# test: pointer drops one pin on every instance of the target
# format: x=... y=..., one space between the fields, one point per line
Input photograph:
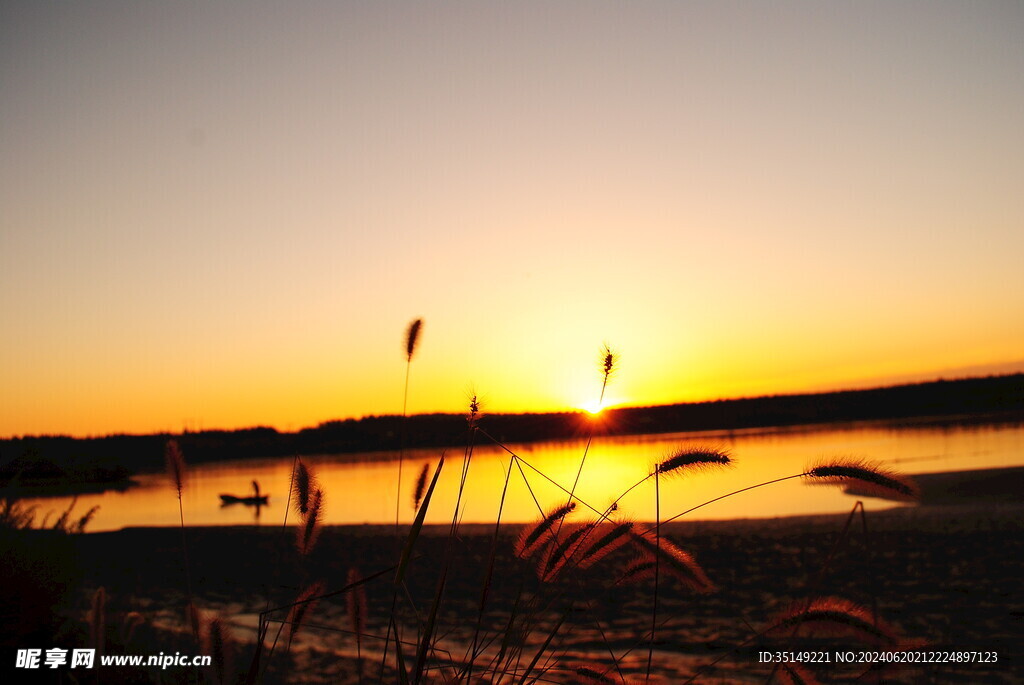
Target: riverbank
x=948 y=576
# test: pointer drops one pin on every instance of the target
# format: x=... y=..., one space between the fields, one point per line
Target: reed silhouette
x=175 y=462
x=412 y=337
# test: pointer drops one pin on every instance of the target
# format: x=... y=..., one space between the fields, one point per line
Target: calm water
x=361 y=488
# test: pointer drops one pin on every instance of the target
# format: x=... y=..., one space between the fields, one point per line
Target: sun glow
x=595 y=406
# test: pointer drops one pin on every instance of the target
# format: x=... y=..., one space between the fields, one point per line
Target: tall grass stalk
x=558 y=553
x=356 y=606
x=307 y=496
x=428 y=629
x=486 y=585
x=254 y=667
x=403 y=565
x=657 y=568
x=879 y=480
x=607 y=364
x=176 y=469
x=412 y=336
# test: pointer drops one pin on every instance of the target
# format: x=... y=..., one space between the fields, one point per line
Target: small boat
x=256 y=499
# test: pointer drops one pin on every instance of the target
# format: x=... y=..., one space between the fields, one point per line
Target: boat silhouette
x=255 y=499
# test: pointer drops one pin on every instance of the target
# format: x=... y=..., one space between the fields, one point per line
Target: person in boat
x=255 y=499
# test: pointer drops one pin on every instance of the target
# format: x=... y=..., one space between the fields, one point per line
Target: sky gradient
x=217 y=215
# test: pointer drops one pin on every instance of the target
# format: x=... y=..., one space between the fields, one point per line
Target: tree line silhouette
x=112 y=458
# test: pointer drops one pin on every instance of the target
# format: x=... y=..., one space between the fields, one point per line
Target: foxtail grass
x=835 y=617
x=309 y=526
x=400 y=571
x=637 y=570
x=175 y=465
x=412 y=337
x=863 y=477
x=220 y=645
x=607 y=537
x=304 y=606
x=608 y=361
x=175 y=461
x=533 y=537
x=303 y=486
x=426 y=641
x=421 y=487
x=560 y=552
x=690 y=459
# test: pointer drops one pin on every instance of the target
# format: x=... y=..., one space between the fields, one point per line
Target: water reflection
x=361 y=489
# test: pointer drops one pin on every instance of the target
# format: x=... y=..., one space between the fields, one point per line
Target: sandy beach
x=944 y=577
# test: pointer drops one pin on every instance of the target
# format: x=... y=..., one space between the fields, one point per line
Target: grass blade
x=544 y=647
x=417 y=525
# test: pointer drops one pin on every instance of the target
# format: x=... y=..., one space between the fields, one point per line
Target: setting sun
x=596 y=406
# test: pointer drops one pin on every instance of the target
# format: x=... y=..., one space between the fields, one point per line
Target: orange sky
x=215 y=218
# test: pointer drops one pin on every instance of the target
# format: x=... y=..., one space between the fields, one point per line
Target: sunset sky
x=217 y=215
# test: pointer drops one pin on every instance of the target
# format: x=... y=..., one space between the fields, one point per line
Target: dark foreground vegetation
x=946 y=575
x=111 y=459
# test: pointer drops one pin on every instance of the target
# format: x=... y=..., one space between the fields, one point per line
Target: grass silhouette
x=575 y=565
x=581 y=566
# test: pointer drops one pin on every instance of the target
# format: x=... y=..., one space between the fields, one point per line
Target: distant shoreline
x=994 y=399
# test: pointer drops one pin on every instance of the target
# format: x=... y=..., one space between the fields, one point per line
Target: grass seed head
x=474 y=412
x=608 y=360
x=303 y=486
x=693 y=458
x=834 y=617
x=560 y=554
x=674 y=561
x=304 y=605
x=175 y=464
x=605 y=539
x=595 y=674
x=412 y=337
x=639 y=569
x=309 y=527
x=863 y=478
x=219 y=644
x=421 y=487
x=533 y=537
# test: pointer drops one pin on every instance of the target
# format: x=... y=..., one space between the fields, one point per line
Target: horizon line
x=806 y=393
